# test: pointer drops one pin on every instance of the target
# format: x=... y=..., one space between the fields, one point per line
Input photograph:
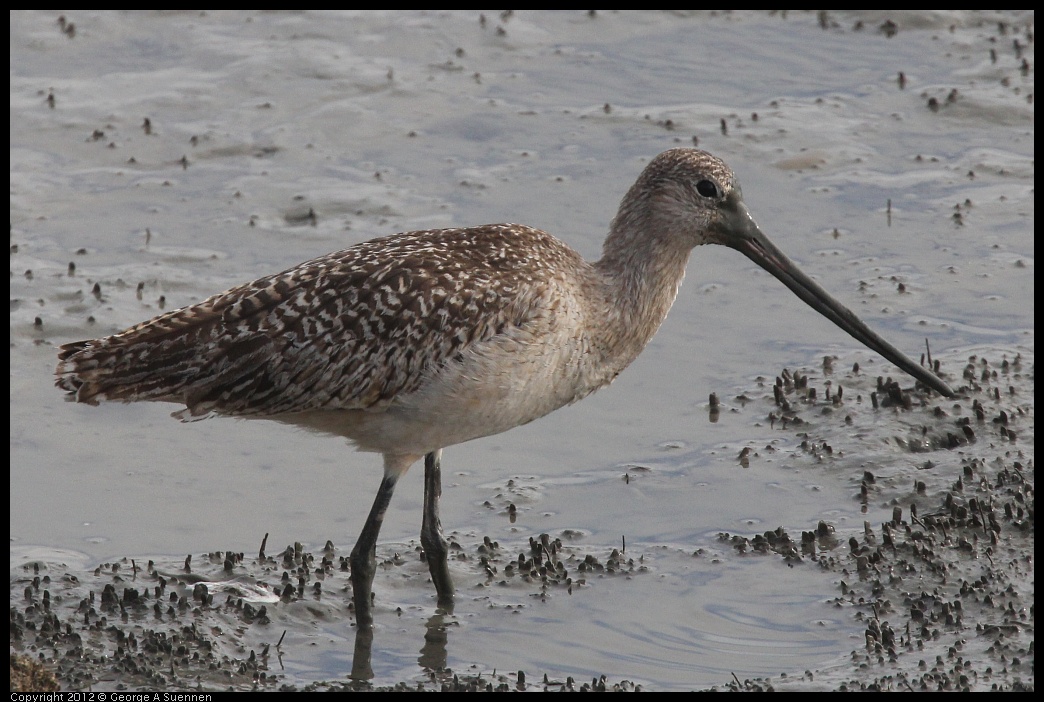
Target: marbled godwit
x=414 y=342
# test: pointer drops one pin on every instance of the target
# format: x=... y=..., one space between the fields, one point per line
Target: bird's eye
x=707 y=188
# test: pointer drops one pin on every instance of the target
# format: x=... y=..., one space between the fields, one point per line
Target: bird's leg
x=364 y=556
x=436 y=551
x=362 y=668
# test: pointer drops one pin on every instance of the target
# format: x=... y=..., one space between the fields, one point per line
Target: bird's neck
x=641 y=269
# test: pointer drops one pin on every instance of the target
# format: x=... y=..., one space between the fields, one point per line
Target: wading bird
x=414 y=342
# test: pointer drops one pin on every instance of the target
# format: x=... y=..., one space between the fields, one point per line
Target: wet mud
x=944 y=588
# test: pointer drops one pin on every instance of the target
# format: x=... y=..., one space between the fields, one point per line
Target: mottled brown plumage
x=351 y=330
x=414 y=342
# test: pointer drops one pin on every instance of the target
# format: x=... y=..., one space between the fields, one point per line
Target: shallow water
x=384 y=122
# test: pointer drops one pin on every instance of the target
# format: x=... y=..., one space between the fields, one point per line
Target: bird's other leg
x=364 y=556
x=436 y=551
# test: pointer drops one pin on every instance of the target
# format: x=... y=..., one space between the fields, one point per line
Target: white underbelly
x=496 y=386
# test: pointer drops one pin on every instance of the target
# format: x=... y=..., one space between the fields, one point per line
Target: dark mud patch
x=945 y=587
x=217 y=622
